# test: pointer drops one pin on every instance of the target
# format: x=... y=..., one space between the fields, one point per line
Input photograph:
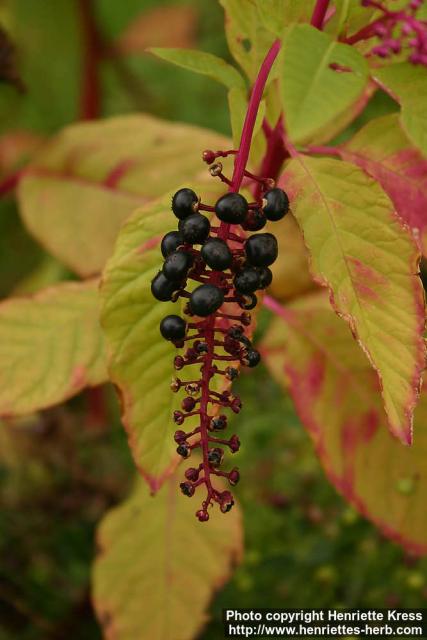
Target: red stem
x=223 y=233
x=319 y=13
x=90 y=101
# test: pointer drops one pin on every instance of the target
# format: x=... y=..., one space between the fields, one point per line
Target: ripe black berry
x=205 y=300
x=195 y=229
x=173 y=328
x=252 y=358
x=177 y=265
x=162 y=288
x=255 y=220
x=277 y=204
x=249 y=301
x=184 y=203
x=232 y=208
x=216 y=254
x=247 y=280
x=171 y=242
x=261 y=250
x=265 y=277
x=231 y=373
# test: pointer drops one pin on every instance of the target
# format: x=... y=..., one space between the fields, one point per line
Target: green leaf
x=314 y=95
x=279 y=14
x=362 y=252
x=82 y=186
x=51 y=347
x=141 y=362
x=204 y=63
x=383 y=150
x=158 y=567
x=247 y=37
x=312 y=353
x=407 y=83
x=238 y=104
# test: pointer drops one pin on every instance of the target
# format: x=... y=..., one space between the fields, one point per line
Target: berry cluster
x=229 y=269
x=397 y=30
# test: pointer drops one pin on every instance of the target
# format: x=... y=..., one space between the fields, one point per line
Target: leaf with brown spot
x=311 y=353
x=51 y=347
x=361 y=251
x=82 y=186
x=158 y=567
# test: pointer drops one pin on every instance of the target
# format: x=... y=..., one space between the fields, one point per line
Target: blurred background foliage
x=62 y=469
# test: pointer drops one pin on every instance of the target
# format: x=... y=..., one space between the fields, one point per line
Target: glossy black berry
x=171 y=242
x=261 y=250
x=177 y=265
x=277 y=204
x=247 y=280
x=205 y=300
x=249 y=301
x=162 y=288
x=216 y=254
x=195 y=229
x=255 y=220
x=252 y=358
x=265 y=277
x=184 y=203
x=232 y=208
x=173 y=328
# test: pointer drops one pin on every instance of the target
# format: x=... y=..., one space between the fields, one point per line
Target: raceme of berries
x=399 y=31
x=225 y=268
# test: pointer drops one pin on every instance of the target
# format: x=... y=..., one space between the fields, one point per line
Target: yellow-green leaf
x=141 y=362
x=279 y=14
x=204 y=63
x=407 y=83
x=247 y=37
x=51 y=347
x=337 y=397
x=368 y=260
x=314 y=94
x=80 y=188
x=158 y=567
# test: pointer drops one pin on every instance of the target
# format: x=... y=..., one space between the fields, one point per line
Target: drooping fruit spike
x=195 y=229
x=206 y=299
x=184 y=203
x=171 y=242
x=173 y=328
x=276 y=204
x=213 y=338
x=217 y=255
x=232 y=208
x=261 y=250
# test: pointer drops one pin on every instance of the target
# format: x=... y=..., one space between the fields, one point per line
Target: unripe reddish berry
x=202 y=515
x=187 y=489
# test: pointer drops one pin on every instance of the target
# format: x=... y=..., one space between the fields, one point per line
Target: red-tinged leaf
x=82 y=186
x=337 y=396
x=51 y=347
x=367 y=258
x=158 y=567
x=384 y=152
x=165 y=26
x=16 y=147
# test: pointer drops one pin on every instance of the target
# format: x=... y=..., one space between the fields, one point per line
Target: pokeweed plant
x=356 y=188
